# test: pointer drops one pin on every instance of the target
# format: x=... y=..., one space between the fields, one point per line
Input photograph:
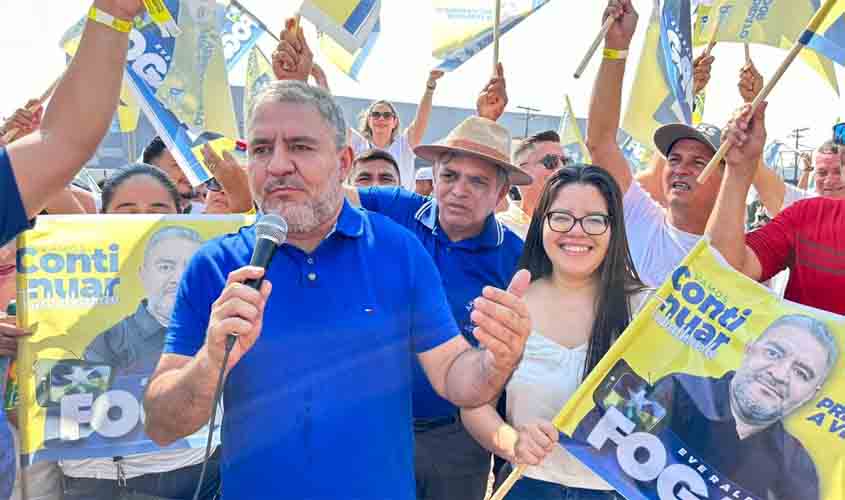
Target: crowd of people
x=504 y=274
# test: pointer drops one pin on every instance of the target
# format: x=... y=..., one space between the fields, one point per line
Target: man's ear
x=345 y=159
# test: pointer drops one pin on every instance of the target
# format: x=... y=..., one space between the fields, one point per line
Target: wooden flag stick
x=592 y=50
x=793 y=53
x=497 y=19
x=512 y=478
x=709 y=48
x=12 y=133
x=747 y=53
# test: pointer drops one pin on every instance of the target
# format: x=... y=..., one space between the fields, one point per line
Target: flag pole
x=497 y=17
x=747 y=53
x=805 y=38
x=12 y=133
x=592 y=50
x=513 y=477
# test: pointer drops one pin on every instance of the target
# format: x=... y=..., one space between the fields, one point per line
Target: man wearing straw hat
x=472 y=173
x=659 y=239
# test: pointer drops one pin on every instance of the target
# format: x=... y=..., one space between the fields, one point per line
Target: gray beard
x=305 y=217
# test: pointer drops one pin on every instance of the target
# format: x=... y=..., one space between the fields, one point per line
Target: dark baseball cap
x=666 y=136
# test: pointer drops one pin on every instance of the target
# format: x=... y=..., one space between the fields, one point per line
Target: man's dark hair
x=528 y=143
x=829 y=147
x=378 y=154
x=153 y=150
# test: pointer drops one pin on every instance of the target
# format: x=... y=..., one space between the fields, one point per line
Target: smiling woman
x=584 y=290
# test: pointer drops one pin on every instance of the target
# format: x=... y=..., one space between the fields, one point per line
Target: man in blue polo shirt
x=318 y=404
x=472 y=249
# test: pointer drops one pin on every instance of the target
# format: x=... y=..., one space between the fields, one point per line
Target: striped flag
x=349 y=63
x=347 y=22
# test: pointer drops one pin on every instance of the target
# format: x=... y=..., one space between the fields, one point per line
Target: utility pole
x=528 y=110
x=798 y=134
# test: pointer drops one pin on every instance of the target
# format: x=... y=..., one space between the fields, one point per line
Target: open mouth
x=575 y=249
x=680 y=186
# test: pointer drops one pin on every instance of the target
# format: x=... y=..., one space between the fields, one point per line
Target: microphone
x=271 y=231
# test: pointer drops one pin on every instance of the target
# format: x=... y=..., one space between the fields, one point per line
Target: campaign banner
x=745 y=400
x=239 y=34
x=97 y=294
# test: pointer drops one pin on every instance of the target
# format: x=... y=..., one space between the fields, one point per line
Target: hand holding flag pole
x=592 y=50
x=805 y=38
x=13 y=133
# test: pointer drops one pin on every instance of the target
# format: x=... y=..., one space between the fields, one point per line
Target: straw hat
x=483 y=139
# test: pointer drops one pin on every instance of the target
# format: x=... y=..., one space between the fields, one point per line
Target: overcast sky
x=539 y=57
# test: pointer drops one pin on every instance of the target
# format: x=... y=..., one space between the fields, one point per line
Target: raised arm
x=48 y=159
x=806 y=170
x=726 y=226
x=606 y=101
x=770 y=187
x=416 y=130
x=493 y=98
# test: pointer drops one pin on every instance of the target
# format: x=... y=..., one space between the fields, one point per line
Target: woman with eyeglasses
x=583 y=292
x=379 y=128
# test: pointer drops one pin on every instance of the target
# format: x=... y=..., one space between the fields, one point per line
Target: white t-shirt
x=400 y=149
x=793 y=194
x=542 y=383
x=656 y=246
x=133 y=465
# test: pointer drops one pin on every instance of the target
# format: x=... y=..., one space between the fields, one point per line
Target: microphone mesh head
x=273 y=227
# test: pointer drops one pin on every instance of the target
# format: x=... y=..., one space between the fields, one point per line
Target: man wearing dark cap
x=658 y=238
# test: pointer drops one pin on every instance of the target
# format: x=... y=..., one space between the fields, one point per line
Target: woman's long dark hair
x=618 y=279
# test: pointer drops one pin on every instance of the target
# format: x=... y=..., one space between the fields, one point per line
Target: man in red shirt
x=808 y=237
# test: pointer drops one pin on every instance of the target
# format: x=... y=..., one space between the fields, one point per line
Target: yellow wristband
x=252 y=211
x=109 y=20
x=615 y=55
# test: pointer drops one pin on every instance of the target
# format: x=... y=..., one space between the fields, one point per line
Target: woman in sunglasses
x=583 y=292
x=379 y=128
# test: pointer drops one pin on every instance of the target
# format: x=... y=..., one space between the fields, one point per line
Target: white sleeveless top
x=400 y=149
x=541 y=385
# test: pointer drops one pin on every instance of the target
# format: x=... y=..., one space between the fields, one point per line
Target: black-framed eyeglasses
x=551 y=161
x=563 y=222
x=839 y=134
x=387 y=115
x=213 y=185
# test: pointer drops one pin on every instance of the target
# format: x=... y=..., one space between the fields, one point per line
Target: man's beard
x=306 y=216
x=751 y=410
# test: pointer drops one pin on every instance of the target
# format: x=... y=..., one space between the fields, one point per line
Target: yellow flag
x=259 y=72
x=778 y=24
x=196 y=88
x=348 y=22
x=570 y=136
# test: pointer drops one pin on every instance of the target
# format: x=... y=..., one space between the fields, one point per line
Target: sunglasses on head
x=839 y=134
x=382 y=114
x=213 y=185
x=551 y=161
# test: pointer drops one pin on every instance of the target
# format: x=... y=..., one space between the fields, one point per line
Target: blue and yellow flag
x=571 y=137
x=829 y=39
x=181 y=83
x=744 y=401
x=462 y=28
x=259 y=72
x=347 y=22
x=239 y=33
x=345 y=61
x=86 y=286
x=663 y=90
x=778 y=24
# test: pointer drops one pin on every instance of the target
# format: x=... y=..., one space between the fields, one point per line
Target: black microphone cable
x=270 y=232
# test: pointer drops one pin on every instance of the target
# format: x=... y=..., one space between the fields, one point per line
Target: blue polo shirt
x=320 y=407
x=466 y=267
x=13 y=219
